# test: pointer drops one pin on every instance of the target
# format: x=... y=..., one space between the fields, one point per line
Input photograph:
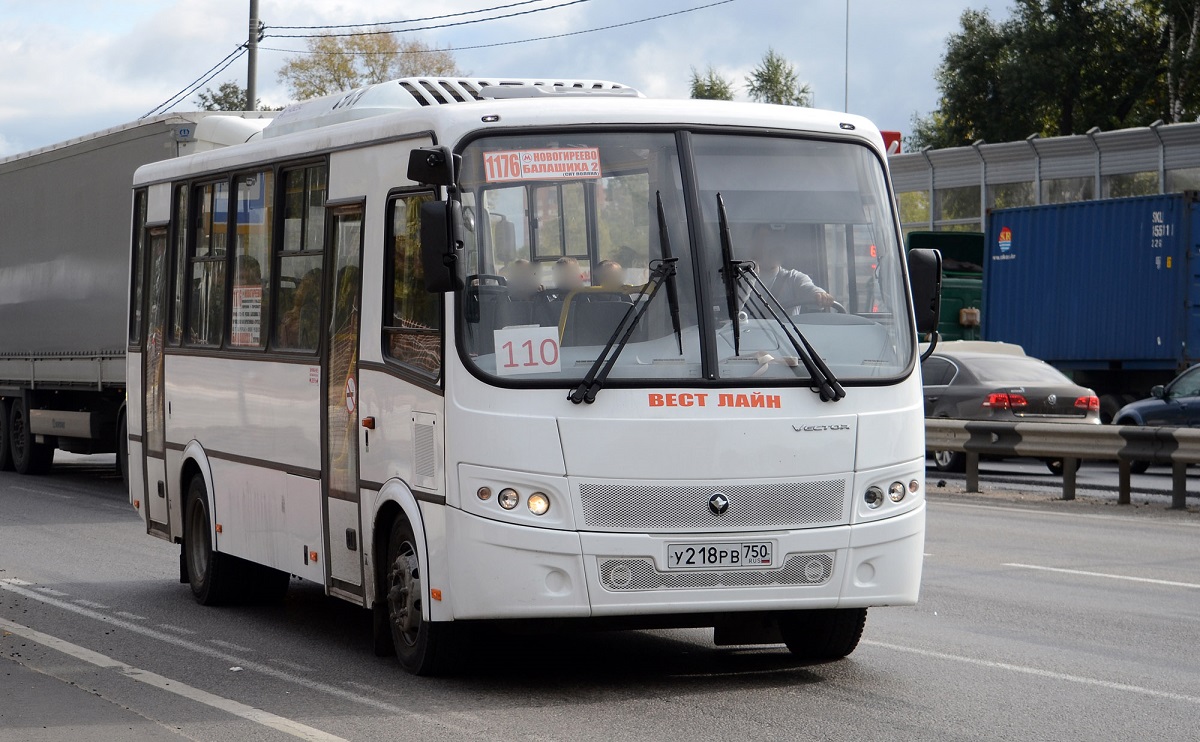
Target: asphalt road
x=1038 y=619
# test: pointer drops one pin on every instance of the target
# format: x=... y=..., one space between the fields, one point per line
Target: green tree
x=1059 y=67
x=710 y=85
x=336 y=63
x=775 y=80
x=229 y=96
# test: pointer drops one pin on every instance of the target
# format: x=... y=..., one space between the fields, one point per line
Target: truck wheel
x=823 y=635
x=28 y=456
x=209 y=571
x=123 y=451
x=5 y=446
x=421 y=646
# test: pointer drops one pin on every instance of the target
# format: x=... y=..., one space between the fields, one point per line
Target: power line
x=425 y=28
x=411 y=20
x=193 y=86
x=521 y=41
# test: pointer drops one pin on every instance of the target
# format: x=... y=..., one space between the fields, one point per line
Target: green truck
x=962 y=280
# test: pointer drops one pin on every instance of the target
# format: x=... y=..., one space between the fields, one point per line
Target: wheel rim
x=404 y=594
x=943 y=458
x=198 y=541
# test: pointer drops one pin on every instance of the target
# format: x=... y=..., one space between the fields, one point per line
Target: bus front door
x=341 y=494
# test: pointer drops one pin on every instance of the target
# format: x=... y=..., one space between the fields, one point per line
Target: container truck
x=1107 y=291
x=64 y=254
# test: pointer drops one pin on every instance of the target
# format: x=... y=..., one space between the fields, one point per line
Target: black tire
x=6 y=463
x=1056 y=465
x=209 y=571
x=123 y=450
x=950 y=461
x=421 y=646
x=823 y=635
x=28 y=456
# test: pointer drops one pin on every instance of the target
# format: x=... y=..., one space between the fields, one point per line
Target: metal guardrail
x=1124 y=444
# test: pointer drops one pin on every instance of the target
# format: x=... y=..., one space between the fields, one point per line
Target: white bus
x=506 y=350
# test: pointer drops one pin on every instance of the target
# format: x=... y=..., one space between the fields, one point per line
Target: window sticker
x=527 y=350
x=542 y=164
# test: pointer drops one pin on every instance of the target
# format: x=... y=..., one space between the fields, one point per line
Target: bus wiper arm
x=826 y=384
x=664 y=239
x=593 y=381
x=731 y=274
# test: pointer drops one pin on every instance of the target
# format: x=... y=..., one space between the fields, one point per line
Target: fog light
x=508 y=498
x=896 y=491
x=913 y=486
x=538 y=503
x=874 y=497
x=484 y=493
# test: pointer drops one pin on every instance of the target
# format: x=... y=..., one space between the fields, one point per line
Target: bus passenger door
x=341 y=498
x=154 y=412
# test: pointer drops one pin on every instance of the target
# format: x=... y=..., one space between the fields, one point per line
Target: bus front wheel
x=823 y=635
x=420 y=645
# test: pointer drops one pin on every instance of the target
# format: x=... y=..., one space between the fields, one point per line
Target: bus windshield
x=564 y=230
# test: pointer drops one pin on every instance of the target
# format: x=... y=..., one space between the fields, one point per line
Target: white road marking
x=1025 y=670
x=52 y=591
x=230 y=645
x=177 y=629
x=131 y=616
x=478 y=731
x=1082 y=573
x=292 y=665
x=15 y=581
x=229 y=706
x=92 y=604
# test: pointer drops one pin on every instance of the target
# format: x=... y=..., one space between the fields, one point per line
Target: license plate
x=720 y=556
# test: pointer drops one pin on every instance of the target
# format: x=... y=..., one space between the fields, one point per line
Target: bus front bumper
x=504 y=571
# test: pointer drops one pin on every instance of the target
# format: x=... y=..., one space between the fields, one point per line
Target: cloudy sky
x=70 y=67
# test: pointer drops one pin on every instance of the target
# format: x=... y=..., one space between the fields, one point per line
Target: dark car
x=1177 y=404
x=995 y=381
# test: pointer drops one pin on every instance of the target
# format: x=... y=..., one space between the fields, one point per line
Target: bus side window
x=412 y=321
x=252 y=262
x=297 y=298
x=206 y=265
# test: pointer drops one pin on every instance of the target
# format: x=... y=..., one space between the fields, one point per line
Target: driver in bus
x=791 y=287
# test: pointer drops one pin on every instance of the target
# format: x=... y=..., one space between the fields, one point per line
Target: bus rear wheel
x=823 y=635
x=421 y=646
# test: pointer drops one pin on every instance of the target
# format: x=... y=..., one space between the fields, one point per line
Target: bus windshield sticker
x=542 y=164
x=528 y=349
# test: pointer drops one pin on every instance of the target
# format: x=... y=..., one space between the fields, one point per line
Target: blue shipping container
x=1097 y=284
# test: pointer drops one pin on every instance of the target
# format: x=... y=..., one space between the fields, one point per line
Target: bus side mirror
x=432 y=166
x=442 y=246
x=925 y=278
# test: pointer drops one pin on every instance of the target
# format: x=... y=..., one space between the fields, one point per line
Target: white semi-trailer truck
x=64 y=273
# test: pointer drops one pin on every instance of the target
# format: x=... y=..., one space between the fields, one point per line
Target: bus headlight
x=896 y=491
x=508 y=498
x=539 y=503
x=873 y=497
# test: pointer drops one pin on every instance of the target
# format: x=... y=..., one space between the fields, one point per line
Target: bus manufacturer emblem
x=718 y=503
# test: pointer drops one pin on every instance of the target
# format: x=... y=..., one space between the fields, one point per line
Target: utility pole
x=252 y=60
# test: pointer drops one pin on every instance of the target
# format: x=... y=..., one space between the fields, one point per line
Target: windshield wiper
x=735 y=273
x=593 y=381
x=664 y=240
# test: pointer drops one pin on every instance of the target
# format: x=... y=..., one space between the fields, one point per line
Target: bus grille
x=640 y=574
x=667 y=508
